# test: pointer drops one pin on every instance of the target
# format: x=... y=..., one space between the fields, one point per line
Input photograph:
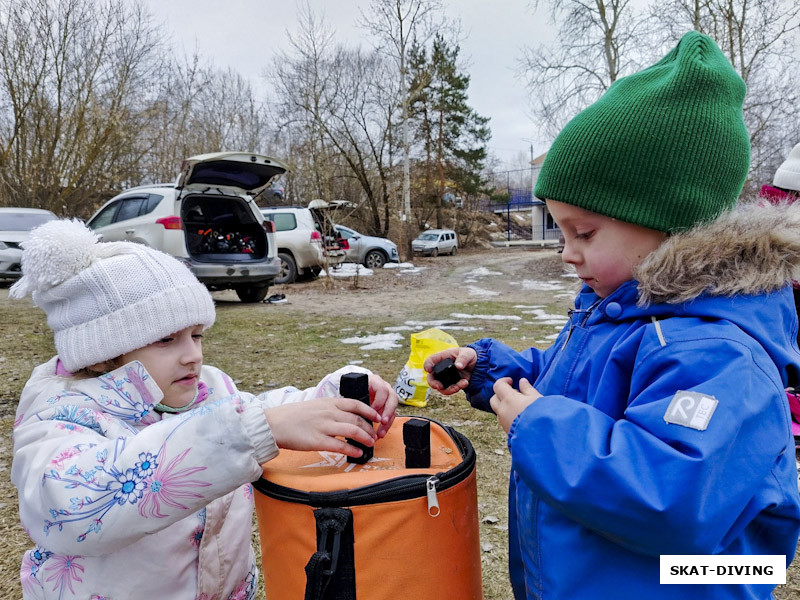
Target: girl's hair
x=104 y=367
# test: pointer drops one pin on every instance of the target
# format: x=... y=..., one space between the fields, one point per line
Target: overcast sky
x=244 y=34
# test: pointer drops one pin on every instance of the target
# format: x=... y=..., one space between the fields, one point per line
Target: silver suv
x=305 y=240
x=208 y=219
x=371 y=251
x=434 y=242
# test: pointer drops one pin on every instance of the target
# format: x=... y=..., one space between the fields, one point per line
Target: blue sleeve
x=657 y=487
x=496 y=360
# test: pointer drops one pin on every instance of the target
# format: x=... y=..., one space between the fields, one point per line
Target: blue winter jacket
x=602 y=483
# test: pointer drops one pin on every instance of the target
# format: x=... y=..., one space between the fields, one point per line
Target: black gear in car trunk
x=222 y=228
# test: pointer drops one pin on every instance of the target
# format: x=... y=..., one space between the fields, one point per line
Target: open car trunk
x=222 y=229
x=333 y=250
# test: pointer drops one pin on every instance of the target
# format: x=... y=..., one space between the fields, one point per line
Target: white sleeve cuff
x=258 y=429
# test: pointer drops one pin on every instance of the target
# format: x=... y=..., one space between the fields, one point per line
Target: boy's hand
x=384 y=400
x=464 y=358
x=507 y=402
x=319 y=424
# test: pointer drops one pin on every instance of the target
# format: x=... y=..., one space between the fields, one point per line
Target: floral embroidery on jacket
x=168 y=484
x=151 y=483
x=63 y=571
x=32 y=562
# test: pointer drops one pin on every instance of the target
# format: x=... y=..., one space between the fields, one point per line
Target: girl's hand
x=384 y=400
x=507 y=402
x=319 y=424
x=464 y=359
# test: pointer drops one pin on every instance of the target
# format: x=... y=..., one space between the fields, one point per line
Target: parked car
x=370 y=251
x=208 y=219
x=435 y=241
x=304 y=239
x=15 y=228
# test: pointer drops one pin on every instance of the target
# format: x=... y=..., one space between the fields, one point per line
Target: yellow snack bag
x=411 y=385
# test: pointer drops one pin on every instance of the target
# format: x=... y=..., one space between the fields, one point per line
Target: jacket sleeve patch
x=691 y=409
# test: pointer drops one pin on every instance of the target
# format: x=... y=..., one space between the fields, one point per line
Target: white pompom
x=55 y=252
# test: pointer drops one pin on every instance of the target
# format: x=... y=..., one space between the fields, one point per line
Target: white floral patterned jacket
x=125 y=502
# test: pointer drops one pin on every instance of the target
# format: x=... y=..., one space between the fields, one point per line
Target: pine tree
x=449 y=134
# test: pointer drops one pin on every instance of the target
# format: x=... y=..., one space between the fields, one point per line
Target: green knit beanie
x=665 y=148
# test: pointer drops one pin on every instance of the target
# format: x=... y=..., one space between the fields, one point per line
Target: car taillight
x=170 y=222
x=315 y=236
x=269 y=226
x=344 y=244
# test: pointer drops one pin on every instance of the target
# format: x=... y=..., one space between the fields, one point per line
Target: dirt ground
x=440 y=280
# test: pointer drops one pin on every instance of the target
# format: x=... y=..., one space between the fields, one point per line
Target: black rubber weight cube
x=445 y=372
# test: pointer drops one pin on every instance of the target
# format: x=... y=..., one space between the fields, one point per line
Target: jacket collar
x=752 y=249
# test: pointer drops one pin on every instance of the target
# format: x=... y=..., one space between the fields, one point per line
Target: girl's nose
x=192 y=351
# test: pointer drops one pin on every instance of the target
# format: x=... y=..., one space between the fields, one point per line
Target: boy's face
x=174 y=363
x=604 y=251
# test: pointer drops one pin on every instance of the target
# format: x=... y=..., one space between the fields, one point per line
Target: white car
x=299 y=239
x=15 y=228
x=434 y=242
x=208 y=219
x=371 y=251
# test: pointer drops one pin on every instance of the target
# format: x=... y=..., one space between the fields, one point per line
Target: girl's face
x=174 y=363
x=604 y=251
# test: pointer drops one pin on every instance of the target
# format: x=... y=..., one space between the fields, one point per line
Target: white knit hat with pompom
x=787 y=176
x=103 y=300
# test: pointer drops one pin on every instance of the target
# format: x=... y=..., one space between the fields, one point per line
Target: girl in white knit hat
x=132 y=459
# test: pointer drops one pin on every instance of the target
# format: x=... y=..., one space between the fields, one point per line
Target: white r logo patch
x=691 y=409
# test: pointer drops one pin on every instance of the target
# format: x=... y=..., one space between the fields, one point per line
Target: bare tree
x=166 y=136
x=760 y=38
x=336 y=104
x=596 y=45
x=73 y=75
x=396 y=25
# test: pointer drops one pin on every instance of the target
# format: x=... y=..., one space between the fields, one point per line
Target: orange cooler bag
x=333 y=530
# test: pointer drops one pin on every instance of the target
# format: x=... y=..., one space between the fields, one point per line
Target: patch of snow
x=382 y=341
x=402 y=265
x=348 y=270
x=546 y=319
x=480 y=292
x=482 y=272
x=539 y=286
x=487 y=317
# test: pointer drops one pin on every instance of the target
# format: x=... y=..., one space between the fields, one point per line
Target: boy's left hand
x=384 y=400
x=507 y=402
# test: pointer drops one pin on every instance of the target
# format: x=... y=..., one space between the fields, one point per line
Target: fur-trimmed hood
x=752 y=249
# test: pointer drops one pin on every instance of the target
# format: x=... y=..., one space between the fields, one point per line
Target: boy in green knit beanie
x=657 y=424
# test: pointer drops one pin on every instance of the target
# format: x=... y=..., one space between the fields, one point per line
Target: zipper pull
x=433 y=502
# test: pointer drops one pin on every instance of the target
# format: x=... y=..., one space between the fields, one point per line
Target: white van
x=434 y=242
